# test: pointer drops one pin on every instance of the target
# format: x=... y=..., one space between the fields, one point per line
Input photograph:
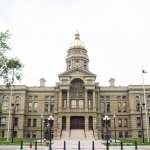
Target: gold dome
x=77 y=43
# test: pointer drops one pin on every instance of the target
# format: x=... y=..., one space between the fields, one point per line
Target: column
x=60 y=101
x=86 y=123
x=94 y=104
x=68 y=123
x=68 y=100
x=86 y=100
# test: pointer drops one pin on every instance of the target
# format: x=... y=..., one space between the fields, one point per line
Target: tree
x=10 y=68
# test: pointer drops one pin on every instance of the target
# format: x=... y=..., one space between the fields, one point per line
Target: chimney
x=112 y=82
x=42 y=82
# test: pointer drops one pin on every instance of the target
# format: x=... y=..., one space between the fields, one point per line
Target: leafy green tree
x=10 y=68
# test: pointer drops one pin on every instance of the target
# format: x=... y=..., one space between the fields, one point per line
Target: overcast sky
x=116 y=34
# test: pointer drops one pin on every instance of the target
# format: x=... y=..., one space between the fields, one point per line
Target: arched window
x=77 y=94
x=77 y=89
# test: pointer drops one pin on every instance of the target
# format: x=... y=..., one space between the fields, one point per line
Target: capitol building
x=78 y=104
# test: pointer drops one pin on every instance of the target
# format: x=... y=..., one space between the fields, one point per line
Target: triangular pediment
x=77 y=72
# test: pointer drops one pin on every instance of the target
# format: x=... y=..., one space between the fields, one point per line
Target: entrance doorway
x=77 y=122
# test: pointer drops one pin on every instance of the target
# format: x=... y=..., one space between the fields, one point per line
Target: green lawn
x=16 y=141
x=132 y=142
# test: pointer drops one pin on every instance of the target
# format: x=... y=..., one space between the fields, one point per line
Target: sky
x=116 y=34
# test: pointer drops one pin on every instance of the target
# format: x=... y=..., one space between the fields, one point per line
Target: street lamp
x=41 y=126
x=141 y=110
x=106 y=119
x=114 y=116
x=50 y=121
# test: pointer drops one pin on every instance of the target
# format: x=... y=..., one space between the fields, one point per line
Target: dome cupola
x=77 y=54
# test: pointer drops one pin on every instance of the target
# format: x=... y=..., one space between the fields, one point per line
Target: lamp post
x=41 y=126
x=50 y=121
x=106 y=119
x=114 y=116
x=142 y=126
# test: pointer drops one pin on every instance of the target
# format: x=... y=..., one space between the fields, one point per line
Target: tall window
x=15 y=121
x=148 y=102
x=35 y=106
x=46 y=104
x=124 y=106
x=30 y=107
x=119 y=106
x=77 y=93
x=120 y=134
x=138 y=121
x=119 y=122
x=3 y=121
x=34 y=122
x=29 y=122
x=105 y=104
x=137 y=101
x=125 y=122
x=5 y=105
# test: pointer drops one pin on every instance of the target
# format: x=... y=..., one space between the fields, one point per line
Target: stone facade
x=76 y=102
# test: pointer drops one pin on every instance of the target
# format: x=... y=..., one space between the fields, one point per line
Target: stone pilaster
x=68 y=123
x=68 y=100
x=86 y=101
x=86 y=123
x=60 y=101
x=94 y=102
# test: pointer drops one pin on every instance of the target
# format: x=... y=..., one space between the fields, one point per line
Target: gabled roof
x=73 y=71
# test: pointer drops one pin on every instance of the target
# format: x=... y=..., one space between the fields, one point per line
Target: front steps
x=77 y=134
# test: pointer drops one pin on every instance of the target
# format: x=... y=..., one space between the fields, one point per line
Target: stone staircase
x=77 y=134
x=89 y=135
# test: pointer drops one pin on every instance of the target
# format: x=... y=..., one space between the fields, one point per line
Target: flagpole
x=146 y=113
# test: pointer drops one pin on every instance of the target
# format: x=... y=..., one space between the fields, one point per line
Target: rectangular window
x=108 y=107
x=73 y=104
x=120 y=134
x=137 y=101
x=35 y=98
x=124 y=107
x=29 y=122
x=35 y=106
x=139 y=134
x=102 y=107
x=46 y=107
x=125 y=122
x=51 y=108
x=30 y=98
x=34 y=122
x=119 y=106
x=119 y=122
x=15 y=134
x=29 y=107
x=3 y=121
x=15 y=121
x=80 y=103
x=126 y=134
x=5 y=105
x=138 y=121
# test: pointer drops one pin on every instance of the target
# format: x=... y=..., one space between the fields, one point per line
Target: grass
x=16 y=141
x=130 y=142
